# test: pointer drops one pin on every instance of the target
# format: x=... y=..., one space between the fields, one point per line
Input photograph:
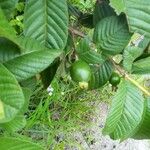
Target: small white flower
x=50 y=90
x=62 y=93
x=50 y=94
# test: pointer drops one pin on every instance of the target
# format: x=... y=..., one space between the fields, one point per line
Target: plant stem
x=76 y=32
x=126 y=75
x=137 y=84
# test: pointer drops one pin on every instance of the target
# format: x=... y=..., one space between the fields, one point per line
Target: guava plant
x=49 y=39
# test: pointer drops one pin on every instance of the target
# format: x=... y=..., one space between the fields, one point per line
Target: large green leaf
x=29 y=64
x=86 y=53
x=137 y=12
x=8 y=50
x=14 y=125
x=101 y=74
x=30 y=46
x=144 y=129
x=11 y=96
x=112 y=35
x=8 y=6
x=9 y=143
x=126 y=111
x=47 y=21
x=19 y=121
x=141 y=66
x=102 y=10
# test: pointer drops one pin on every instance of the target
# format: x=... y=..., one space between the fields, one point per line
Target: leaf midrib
x=46 y=23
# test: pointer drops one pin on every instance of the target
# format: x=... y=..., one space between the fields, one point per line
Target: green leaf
x=129 y=55
x=119 y=6
x=137 y=12
x=101 y=74
x=86 y=53
x=144 y=128
x=111 y=35
x=19 y=121
x=25 y=44
x=141 y=66
x=8 y=6
x=125 y=113
x=20 y=6
x=47 y=21
x=5 y=29
x=9 y=143
x=2 y=113
x=11 y=96
x=8 y=50
x=135 y=48
x=102 y=10
x=29 y=64
x=14 y=125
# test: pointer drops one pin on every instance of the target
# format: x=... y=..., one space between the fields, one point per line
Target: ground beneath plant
x=92 y=138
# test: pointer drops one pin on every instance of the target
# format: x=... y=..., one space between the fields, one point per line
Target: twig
x=126 y=75
x=137 y=84
x=76 y=32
